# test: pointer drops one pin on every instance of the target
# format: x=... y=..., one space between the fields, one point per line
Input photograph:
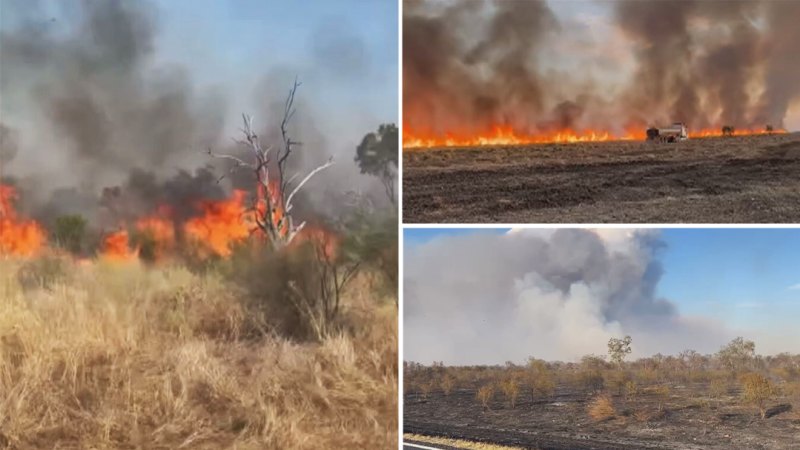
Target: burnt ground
x=753 y=179
x=689 y=421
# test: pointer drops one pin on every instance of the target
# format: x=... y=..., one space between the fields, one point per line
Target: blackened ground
x=689 y=420
x=754 y=179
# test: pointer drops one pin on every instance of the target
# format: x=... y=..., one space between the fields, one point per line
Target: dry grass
x=601 y=408
x=123 y=357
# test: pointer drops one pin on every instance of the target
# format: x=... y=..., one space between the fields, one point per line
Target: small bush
x=448 y=382
x=631 y=390
x=510 y=389
x=601 y=408
x=543 y=385
x=484 y=395
x=69 y=233
x=758 y=390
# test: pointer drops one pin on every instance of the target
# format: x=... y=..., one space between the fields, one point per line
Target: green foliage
x=69 y=233
x=618 y=349
x=372 y=240
x=377 y=155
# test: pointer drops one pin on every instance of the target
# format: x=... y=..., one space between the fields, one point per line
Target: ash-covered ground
x=751 y=179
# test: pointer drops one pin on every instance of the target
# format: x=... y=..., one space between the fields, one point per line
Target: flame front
x=222 y=224
x=116 y=247
x=18 y=237
x=501 y=135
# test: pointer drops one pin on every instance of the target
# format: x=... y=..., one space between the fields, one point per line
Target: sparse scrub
x=631 y=390
x=661 y=392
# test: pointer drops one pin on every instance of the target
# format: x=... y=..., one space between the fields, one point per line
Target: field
x=753 y=179
x=697 y=410
x=122 y=355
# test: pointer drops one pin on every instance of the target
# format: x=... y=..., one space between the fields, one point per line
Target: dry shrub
x=601 y=408
x=757 y=390
x=447 y=383
x=123 y=356
x=510 y=388
x=631 y=390
x=426 y=388
x=484 y=395
x=543 y=385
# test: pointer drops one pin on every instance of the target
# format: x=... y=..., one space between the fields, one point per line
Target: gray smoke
x=551 y=294
x=470 y=65
x=106 y=130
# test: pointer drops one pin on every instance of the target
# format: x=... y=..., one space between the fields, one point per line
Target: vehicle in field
x=673 y=133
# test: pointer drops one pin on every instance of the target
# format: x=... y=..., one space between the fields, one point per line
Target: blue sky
x=741 y=277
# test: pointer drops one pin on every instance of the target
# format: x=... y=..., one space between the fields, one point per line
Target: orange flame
x=501 y=135
x=323 y=239
x=17 y=237
x=222 y=224
x=116 y=247
x=160 y=229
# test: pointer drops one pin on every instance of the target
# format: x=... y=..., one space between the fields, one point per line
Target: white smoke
x=550 y=294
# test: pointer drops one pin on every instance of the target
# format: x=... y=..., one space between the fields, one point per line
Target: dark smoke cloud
x=109 y=132
x=470 y=65
x=552 y=294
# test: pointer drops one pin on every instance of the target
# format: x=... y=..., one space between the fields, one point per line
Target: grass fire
x=165 y=286
x=548 y=111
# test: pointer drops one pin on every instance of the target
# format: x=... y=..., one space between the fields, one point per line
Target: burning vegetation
x=512 y=80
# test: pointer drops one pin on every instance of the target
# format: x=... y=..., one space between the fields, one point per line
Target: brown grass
x=124 y=357
x=601 y=408
x=484 y=395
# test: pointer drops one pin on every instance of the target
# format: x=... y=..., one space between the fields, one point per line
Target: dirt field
x=716 y=180
x=689 y=420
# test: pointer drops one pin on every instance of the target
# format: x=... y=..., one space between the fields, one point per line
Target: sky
x=731 y=281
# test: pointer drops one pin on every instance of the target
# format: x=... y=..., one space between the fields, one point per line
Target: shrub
x=601 y=408
x=758 y=390
x=448 y=382
x=69 y=232
x=484 y=395
x=631 y=390
x=542 y=385
x=591 y=379
x=510 y=388
x=426 y=388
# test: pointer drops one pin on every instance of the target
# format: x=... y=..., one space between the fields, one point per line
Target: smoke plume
x=551 y=294
x=98 y=125
x=472 y=66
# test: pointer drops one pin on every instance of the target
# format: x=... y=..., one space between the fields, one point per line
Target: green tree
x=618 y=349
x=377 y=155
x=69 y=233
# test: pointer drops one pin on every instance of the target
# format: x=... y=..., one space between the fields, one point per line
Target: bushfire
x=215 y=230
x=18 y=237
x=501 y=135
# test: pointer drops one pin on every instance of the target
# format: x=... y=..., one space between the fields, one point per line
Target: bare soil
x=752 y=179
x=689 y=420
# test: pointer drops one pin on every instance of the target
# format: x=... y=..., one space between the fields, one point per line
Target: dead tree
x=273 y=206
